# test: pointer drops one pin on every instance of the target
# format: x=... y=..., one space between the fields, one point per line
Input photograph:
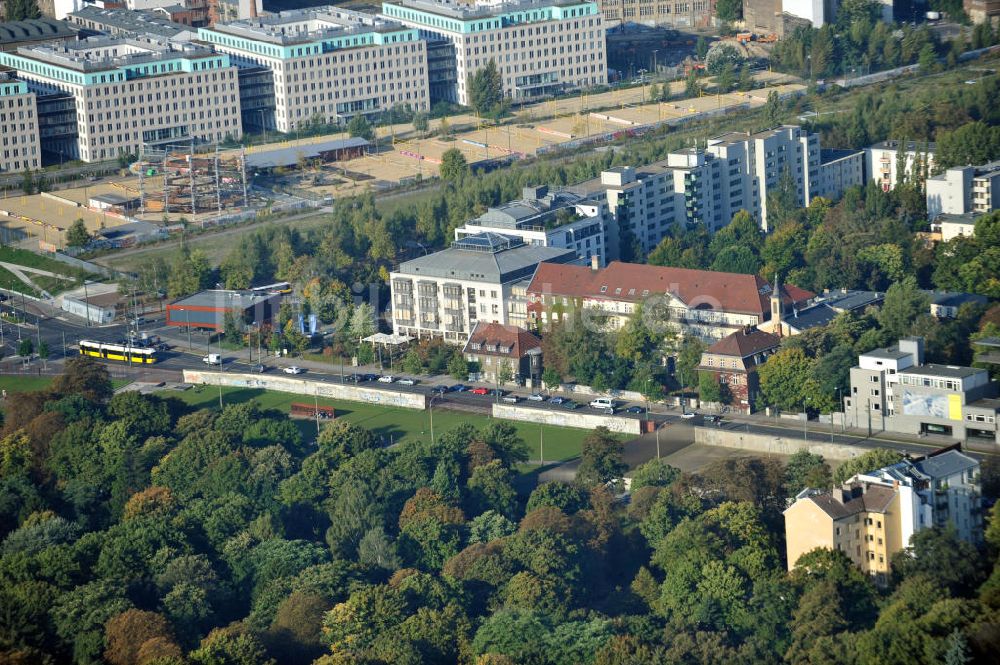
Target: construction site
x=174 y=179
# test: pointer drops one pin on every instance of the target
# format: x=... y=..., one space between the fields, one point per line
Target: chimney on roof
x=595 y=262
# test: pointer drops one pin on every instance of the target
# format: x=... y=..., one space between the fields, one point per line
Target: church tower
x=776 y=326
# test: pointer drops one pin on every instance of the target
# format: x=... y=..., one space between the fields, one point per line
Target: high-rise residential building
x=673 y=13
x=839 y=170
x=964 y=189
x=18 y=126
x=876 y=513
x=892 y=389
x=540 y=47
x=326 y=64
x=883 y=162
x=103 y=97
x=479 y=279
x=549 y=219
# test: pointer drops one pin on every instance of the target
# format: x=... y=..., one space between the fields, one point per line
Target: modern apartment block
x=882 y=161
x=102 y=97
x=893 y=390
x=549 y=219
x=708 y=186
x=875 y=514
x=540 y=47
x=839 y=170
x=20 y=149
x=479 y=279
x=673 y=13
x=964 y=189
x=700 y=303
x=327 y=64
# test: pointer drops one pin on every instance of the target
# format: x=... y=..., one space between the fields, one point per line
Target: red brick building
x=734 y=360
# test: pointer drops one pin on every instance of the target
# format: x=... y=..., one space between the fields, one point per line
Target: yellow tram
x=121 y=352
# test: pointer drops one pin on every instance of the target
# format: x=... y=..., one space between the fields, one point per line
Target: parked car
x=212 y=359
x=570 y=404
x=293 y=369
x=511 y=399
x=556 y=400
x=635 y=409
x=603 y=404
x=480 y=391
x=496 y=392
x=458 y=388
x=440 y=390
x=257 y=368
x=368 y=377
x=407 y=382
x=536 y=397
x=688 y=414
x=713 y=419
x=386 y=378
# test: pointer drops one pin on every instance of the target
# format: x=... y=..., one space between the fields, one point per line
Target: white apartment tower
x=541 y=47
x=130 y=92
x=18 y=126
x=327 y=63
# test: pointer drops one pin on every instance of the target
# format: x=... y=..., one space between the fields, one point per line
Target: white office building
x=327 y=64
x=479 y=279
x=20 y=149
x=540 y=47
x=117 y=94
x=964 y=190
x=882 y=162
x=544 y=218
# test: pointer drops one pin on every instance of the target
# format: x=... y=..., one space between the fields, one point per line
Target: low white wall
x=307 y=388
x=564 y=418
x=627 y=395
x=775 y=445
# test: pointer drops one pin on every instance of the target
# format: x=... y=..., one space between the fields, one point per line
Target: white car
x=294 y=369
x=386 y=379
x=536 y=397
x=688 y=414
x=407 y=382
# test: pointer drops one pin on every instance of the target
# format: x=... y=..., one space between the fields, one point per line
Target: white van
x=212 y=359
x=603 y=404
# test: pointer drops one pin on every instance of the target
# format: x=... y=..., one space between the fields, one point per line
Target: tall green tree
x=485 y=90
x=18 y=10
x=359 y=127
x=601 y=458
x=77 y=234
x=453 y=165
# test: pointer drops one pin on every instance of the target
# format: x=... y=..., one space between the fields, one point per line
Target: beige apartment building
x=129 y=92
x=876 y=513
x=19 y=149
x=327 y=63
x=541 y=47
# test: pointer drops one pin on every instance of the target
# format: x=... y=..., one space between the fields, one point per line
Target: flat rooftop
x=301 y=26
x=942 y=371
x=140 y=22
x=911 y=146
x=466 y=10
x=222 y=299
x=891 y=353
x=103 y=53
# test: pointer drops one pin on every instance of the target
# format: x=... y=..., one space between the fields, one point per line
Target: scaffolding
x=176 y=179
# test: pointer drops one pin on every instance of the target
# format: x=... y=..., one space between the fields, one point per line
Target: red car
x=480 y=391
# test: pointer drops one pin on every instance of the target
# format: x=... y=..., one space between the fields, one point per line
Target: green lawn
x=17 y=383
x=23 y=257
x=397 y=425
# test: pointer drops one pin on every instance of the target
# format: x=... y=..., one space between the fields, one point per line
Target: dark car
x=440 y=390
x=556 y=400
x=570 y=404
x=496 y=392
x=635 y=409
x=458 y=388
x=258 y=368
x=713 y=419
x=368 y=377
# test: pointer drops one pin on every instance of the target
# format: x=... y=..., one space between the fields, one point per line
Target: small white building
x=96 y=310
x=882 y=160
x=964 y=189
x=955 y=226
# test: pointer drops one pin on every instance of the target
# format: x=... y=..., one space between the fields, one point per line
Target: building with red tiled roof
x=703 y=303
x=492 y=344
x=734 y=359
